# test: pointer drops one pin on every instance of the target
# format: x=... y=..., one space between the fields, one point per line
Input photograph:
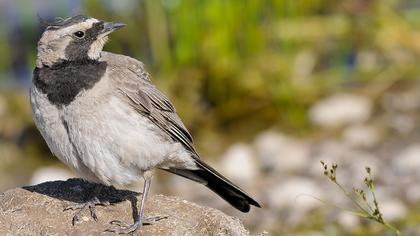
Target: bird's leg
x=90 y=203
x=124 y=228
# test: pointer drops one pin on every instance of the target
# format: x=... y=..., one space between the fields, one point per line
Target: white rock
x=341 y=109
x=361 y=136
x=402 y=102
x=329 y=151
x=348 y=220
x=404 y=124
x=393 y=210
x=51 y=173
x=296 y=194
x=413 y=193
x=239 y=163
x=294 y=197
x=357 y=163
x=281 y=153
x=407 y=162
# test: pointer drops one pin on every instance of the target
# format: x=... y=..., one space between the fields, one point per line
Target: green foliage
x=263 y=61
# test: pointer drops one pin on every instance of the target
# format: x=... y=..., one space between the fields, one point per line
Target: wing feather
x=134 y=83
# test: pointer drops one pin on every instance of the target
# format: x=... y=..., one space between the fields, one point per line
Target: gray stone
x=281 y=153
x=341 y=109
x=361 y=136
x=405 y=101
x=393 y=210
x=38 y=210
x=407 y=162
x=413 y=192
x=296 y=194
x=329 y=151
x=239 y=164
x=402 y=123
x=348 y=220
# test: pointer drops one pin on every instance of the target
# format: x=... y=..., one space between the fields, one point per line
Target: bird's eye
x=79 y=34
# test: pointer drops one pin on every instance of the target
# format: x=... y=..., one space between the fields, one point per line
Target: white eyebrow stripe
x=83 y=26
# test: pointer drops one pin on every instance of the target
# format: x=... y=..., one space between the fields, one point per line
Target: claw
x=119 y=223
x=153 y=219
x=80 y=207
x=93 y=212
x=124 y=228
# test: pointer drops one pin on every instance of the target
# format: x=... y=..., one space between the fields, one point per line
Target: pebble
x=402 y=123
x=239 y=163
x=341 y=109
x=361 y=136
x=393 y=210
x=295 y=193
x=413 y=193
x=407 y=162
x=348 y=220
x=280 y=153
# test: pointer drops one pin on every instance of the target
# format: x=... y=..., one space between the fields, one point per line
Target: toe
x=119 y=223
x=124 y=228
x=93 y=212
x=75 y=219
x=154 y=219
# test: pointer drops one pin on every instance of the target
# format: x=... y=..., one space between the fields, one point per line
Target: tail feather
x=218 y=184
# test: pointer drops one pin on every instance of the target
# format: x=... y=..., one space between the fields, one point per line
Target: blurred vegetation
x=232 y=68
x=253 y=64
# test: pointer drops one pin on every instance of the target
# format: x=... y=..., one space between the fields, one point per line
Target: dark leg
x=139 y=220
x=90 y=203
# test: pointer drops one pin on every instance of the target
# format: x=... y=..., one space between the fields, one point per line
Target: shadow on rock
x=78 y=190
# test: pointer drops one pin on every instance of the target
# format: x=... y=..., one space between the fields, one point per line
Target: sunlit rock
x=361 y=136
x=341 y=109
x=296 y=194
x=239 y=163
x=407 y=162
x=280 y=153
x=393 y=210
x=348 y=220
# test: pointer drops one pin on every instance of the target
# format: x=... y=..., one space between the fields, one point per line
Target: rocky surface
x=38 y=210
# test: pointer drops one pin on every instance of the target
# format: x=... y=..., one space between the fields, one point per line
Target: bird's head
x=76 y=38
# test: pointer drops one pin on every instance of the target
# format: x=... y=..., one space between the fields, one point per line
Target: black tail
x=218 y=184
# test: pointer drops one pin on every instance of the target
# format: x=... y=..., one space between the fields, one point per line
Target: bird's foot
x=80 y=207
x=125 y=228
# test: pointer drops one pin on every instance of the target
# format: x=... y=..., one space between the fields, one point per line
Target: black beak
x=111 y=26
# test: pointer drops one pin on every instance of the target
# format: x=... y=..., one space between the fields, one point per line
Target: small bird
x=101 y=115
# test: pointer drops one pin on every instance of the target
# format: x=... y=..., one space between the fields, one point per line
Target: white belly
x=105 y=141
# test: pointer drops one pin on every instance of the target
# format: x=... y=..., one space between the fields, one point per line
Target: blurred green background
x=235 y=69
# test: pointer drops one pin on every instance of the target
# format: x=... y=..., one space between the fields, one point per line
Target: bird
x=102 y=116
